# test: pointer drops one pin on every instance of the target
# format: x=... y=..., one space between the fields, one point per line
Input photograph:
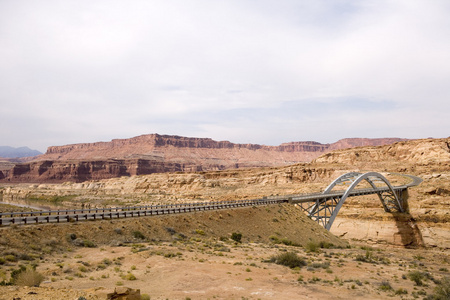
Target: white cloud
x=74 y=71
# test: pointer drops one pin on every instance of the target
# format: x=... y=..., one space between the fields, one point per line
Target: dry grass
x=29 y=277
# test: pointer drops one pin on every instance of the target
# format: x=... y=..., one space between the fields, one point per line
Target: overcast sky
x=263 y=72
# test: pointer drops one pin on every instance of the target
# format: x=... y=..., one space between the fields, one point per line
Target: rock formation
x=155 y=153
x=402 y=155
x=173 y=147
x=361 y=218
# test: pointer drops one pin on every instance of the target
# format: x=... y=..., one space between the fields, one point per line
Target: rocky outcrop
x=78 y=171
x=169 y=146
x=124 y=293
x=417 y=152
x=363 y=142
x=400 y=230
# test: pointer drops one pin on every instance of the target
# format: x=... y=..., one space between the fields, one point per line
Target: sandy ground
x=207 y=268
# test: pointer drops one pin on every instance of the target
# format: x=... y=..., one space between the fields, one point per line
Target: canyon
x=362 y=218
x=370 y=246
x=154 y=153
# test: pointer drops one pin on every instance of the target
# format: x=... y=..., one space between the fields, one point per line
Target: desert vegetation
x=135 y=255
x=271 y=252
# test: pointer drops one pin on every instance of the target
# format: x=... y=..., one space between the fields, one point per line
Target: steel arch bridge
x=324 y=207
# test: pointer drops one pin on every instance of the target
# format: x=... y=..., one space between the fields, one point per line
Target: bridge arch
x=325 y=211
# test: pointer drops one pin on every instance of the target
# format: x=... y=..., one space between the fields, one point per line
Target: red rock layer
x=155 y=153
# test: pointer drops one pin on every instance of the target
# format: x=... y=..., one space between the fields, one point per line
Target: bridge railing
x=122 y=212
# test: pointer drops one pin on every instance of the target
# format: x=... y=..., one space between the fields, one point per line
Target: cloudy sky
x=246 y=71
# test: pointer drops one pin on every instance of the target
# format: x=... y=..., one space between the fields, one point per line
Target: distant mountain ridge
x=11 y=152
x=156 y=145
x=154 y=153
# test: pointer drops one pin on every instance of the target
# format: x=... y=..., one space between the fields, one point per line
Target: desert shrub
x=199 y=231
x=25 y=256
x=171 y=230
x=16 y=272
x=169 y=255
x=2 y=260
x=83 y=243
x=11 y=258
x=130 y=276
x=51 y=242
x=314 y=279
x=312 y=247
x=28 y=277
x=288 y=242
x=288 y=259
x=442 y=290
x=83 y=269
x=71 y=237
x=401 y=291
x=366 y=248
x=2 y=275
x=418 y=257
x=89 y=244
x=326 y=245
x=145 y=297
x=274 y=239
x=236 y=236
x=417 y=277
x=385 y=286
x=138 y=235
x=317 y=265
x=368 y=257
x=179 y=237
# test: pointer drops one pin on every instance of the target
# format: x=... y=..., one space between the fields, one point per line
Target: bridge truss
x=325 y=207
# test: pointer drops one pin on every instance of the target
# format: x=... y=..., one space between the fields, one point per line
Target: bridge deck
x=119 y=212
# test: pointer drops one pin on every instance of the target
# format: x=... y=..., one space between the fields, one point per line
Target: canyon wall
x=177 y=146
x=155 y=153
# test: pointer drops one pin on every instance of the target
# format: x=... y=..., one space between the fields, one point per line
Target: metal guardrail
x=73 y=215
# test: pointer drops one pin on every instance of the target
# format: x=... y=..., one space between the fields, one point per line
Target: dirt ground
x=192 y=256
x=204 y=268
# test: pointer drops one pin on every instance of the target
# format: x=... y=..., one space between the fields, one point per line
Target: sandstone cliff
x=82 y=170
x=173 y=147
x=399 y=156
x=155 y=153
